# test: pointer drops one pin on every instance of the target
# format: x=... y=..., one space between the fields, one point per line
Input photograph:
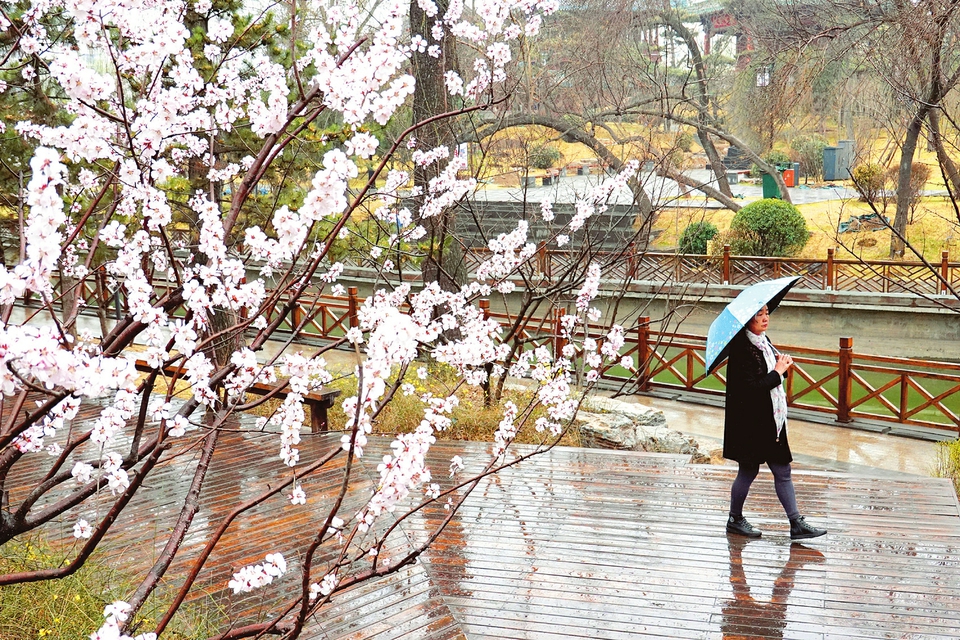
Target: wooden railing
x=841 y=382
x=827 y=274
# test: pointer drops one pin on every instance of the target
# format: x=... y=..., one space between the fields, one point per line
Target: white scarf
x=777 y=394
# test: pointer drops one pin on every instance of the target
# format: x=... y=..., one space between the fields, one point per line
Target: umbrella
x=738 y=313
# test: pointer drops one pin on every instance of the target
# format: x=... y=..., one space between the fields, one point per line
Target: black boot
x=740 y=526
x=800 y=530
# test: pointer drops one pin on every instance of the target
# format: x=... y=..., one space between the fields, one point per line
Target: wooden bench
x=317 y=401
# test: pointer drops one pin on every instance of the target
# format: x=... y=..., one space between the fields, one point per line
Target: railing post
x=297 y=316
x=830 y=269
x=726 y=264
x=944 y=271
x=643 y=347
x=244 y=311
x=485 y=308
x=558 y=342
x=843 y=392
x=352 y=307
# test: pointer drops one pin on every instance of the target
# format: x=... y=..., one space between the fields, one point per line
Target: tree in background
x=159 y=99
x=809 y=149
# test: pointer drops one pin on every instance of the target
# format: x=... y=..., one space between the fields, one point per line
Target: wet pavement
x=662 y=191
x=814 y=445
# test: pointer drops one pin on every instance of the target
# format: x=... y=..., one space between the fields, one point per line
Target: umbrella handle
x=776 y=351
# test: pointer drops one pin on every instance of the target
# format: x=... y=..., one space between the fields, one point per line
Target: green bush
x=685 y=141
x=544 y=157
x=768 y=227
x=810 y=152
x=694 y=238
x=869 y=179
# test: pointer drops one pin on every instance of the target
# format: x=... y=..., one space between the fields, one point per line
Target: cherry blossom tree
x=142 y=113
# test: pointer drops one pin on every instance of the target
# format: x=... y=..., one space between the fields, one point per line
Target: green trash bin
x=770 y=188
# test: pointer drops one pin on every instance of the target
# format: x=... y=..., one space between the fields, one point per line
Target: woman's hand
x=784 y=362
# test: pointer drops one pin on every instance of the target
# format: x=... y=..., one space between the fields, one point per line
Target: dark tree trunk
x=703 y=100
x=444 y=260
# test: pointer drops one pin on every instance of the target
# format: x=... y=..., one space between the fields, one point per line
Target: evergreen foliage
x=768 y=227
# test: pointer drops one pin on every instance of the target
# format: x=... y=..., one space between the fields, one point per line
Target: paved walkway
x=663 y=191
x=814 y=445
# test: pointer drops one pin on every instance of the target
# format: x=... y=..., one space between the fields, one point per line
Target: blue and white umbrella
x=738 y=313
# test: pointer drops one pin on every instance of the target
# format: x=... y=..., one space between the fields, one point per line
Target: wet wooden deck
x=596 y=544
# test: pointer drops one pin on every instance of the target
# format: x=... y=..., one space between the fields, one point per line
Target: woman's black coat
x=749 y=430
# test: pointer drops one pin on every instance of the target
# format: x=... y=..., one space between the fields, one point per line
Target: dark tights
x=781 y=481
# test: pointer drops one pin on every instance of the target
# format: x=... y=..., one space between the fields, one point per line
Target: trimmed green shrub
x=919 y=174
x=685 y=141
x=695 y=237
x=869 y=179
x=768 y=227
x=544 y=157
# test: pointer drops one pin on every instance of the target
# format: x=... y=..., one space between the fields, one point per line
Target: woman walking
x=755 y=425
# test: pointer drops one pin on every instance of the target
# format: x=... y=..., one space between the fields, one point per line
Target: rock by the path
x=633 y=427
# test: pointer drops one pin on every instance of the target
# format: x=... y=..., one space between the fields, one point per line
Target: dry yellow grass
x=935 y=228
x=472 y=420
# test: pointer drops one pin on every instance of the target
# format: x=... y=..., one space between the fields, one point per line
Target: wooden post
x=488 y=367
x=830 y=275
x=244 y=311
x=542 y=261
x=352 y=307
x=318 y=416
x=643 y=348
x=726 y=264
x=297 y=316
x=944 y=271
x=843 y=393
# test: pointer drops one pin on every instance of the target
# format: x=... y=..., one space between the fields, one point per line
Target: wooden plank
x=579 y=543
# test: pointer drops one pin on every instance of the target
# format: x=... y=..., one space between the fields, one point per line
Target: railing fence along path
x=827 y=274
x=843 y=383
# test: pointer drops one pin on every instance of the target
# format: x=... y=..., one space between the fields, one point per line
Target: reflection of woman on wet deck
x=744 y=617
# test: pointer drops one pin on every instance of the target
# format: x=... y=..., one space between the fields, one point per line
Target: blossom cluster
x=258 y=575
x=115 y=614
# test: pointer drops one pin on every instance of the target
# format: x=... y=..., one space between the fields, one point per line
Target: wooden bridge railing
x=827 y=274
x=840 y=382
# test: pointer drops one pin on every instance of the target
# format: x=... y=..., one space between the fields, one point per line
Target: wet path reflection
x=744 y=616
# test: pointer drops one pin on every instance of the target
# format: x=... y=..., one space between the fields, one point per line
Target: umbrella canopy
x=738 y=313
